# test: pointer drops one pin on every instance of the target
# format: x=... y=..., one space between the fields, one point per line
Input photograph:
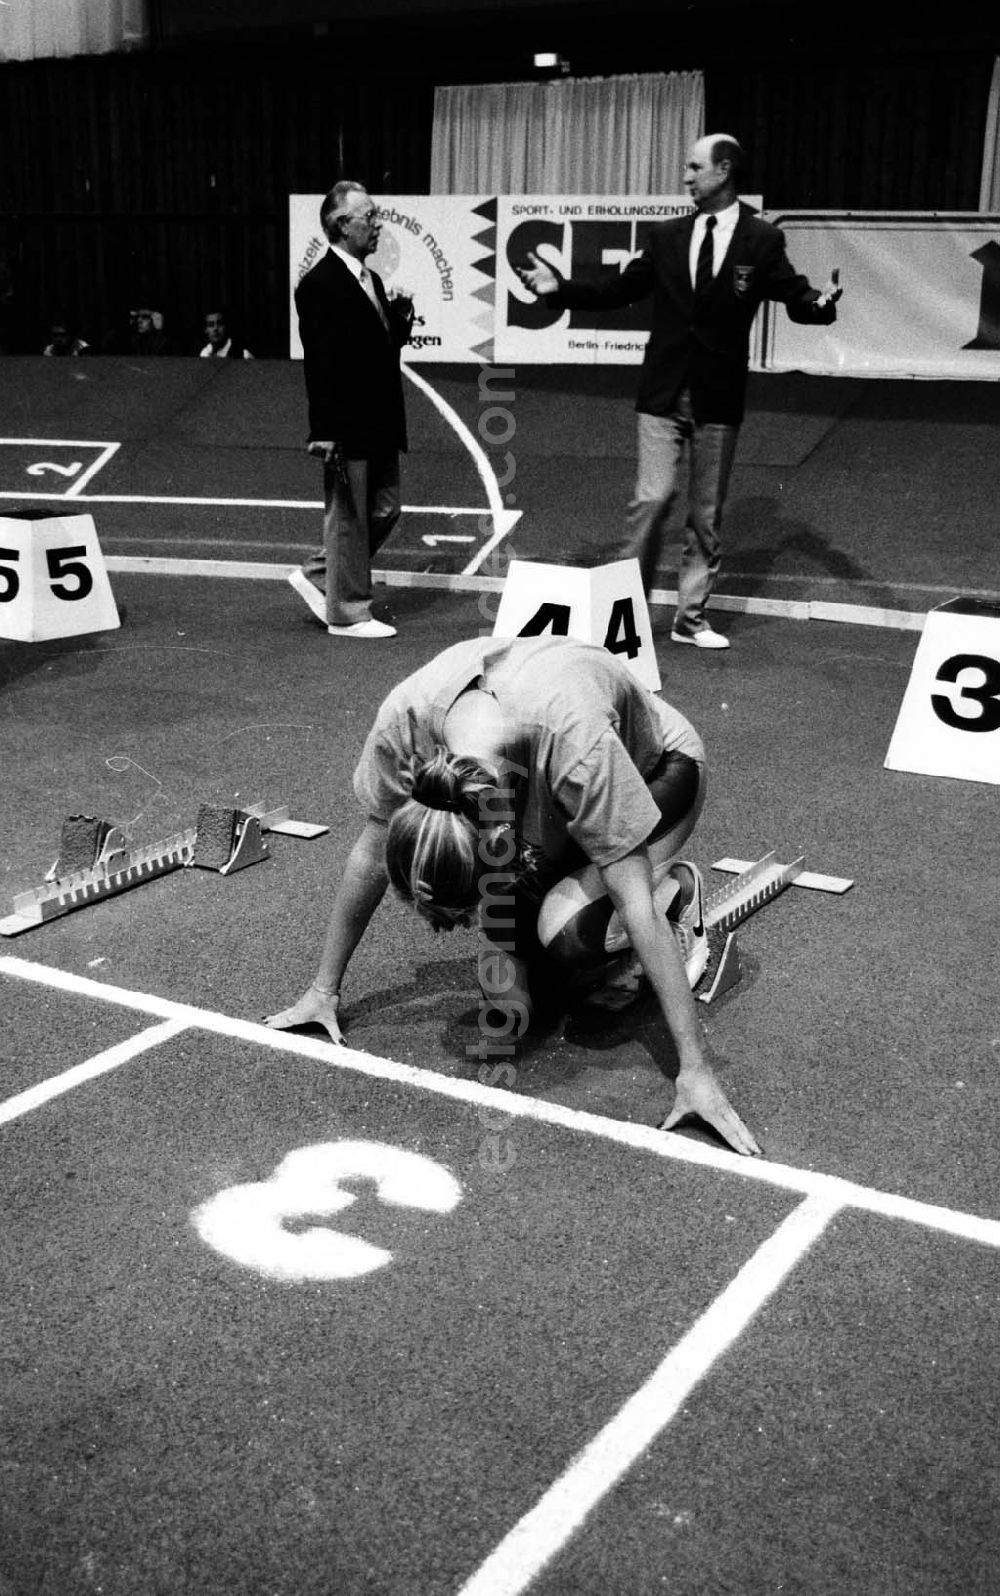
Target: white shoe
x=704 y=637
x=310 y=592
x=371 y=628
x=688 y=920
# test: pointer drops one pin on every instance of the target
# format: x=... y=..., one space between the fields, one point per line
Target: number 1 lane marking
x=503 y=519
x=556 y=1518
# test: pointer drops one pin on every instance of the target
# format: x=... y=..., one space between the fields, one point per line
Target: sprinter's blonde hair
x=432 y=850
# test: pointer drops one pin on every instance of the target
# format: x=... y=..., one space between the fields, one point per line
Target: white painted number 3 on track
x=250 y=1223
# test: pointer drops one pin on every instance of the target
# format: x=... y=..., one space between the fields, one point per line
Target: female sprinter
x=535 y=784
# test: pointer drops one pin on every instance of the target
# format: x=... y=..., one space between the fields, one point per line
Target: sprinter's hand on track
x=315 y=1008
x=698 y=1093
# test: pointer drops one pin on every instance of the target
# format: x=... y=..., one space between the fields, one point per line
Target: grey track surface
x=172 y=1422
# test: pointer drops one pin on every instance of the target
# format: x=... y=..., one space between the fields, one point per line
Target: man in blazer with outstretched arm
x=707 y=273
x=351 y=338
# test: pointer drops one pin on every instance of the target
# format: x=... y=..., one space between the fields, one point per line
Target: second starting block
x=95 y=862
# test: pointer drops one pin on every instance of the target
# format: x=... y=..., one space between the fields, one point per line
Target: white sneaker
x=678 y=894
x=310 y=592
x=687 y=919
x=371 y=628
x=704 y=637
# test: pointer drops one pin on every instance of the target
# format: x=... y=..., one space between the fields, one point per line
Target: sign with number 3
x=949 y=720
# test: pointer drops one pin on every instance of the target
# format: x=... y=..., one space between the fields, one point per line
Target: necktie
x=703 y=266
x=369 y=288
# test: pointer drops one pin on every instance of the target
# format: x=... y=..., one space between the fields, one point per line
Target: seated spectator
x=63 y=339
x=221 y=343
x=148 y=336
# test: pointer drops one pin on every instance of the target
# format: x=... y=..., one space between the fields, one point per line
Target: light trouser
x=661 y=445
x=357 y=518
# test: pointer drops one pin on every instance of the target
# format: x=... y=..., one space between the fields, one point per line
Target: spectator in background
x=147 y=336
x=64 y=340
x=221 y=344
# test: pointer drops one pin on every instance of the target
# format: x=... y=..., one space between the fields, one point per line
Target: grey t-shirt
x=584 y=731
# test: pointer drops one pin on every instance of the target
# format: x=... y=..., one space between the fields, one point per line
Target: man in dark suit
x=708 y=274
x=351 y=338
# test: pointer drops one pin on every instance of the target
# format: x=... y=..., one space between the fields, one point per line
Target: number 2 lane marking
x=42 y=466
x=249 y=1223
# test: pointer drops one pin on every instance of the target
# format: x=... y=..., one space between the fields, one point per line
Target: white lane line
x=554 y=1520
x=807 y=610
x=63 y=443
x=90 y=1069
x=102 y=459
x=640 y=1138
x=464 y=582
x=239 y=504
x=502 y=518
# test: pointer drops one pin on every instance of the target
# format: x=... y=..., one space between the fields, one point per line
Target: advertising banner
x=457 y=255
x=921 y=295
x=440 y=249
x=581 y=236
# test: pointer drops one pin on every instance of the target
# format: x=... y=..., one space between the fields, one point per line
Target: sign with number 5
x=949 y=720
x=53 y=581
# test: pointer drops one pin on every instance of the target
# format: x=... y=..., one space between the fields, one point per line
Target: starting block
x=737 y=900
x=729 y=905
x=721 y=974
x=227 y=840
x=53 y=580
x=95 y=862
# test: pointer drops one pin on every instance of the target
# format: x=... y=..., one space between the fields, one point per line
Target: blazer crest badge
x=742 y=278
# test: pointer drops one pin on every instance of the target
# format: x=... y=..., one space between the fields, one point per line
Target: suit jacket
x=353 y=381
x=706 y=346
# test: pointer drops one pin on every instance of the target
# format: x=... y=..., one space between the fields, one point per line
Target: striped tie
x=703 y=267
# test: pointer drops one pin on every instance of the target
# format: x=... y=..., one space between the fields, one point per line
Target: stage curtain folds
x=989 y=190
x=71 y=27
x=618 y=135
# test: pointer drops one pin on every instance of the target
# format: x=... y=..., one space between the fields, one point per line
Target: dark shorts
x=510 y=918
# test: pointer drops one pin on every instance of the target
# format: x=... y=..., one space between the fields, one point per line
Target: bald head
x=713 y=169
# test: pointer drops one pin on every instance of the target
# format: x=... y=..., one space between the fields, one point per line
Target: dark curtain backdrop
x=165 y=177
x=164 y=180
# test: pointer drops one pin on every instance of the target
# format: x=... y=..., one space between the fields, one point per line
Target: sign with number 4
x=605 y=605
x=949 y=720
x=53 y=581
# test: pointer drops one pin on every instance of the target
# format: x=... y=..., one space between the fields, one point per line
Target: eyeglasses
x=358 y=216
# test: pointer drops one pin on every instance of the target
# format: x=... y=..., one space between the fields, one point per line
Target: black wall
x=165 y=176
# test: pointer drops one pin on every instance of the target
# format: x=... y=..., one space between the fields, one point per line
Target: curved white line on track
x=503 y=519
